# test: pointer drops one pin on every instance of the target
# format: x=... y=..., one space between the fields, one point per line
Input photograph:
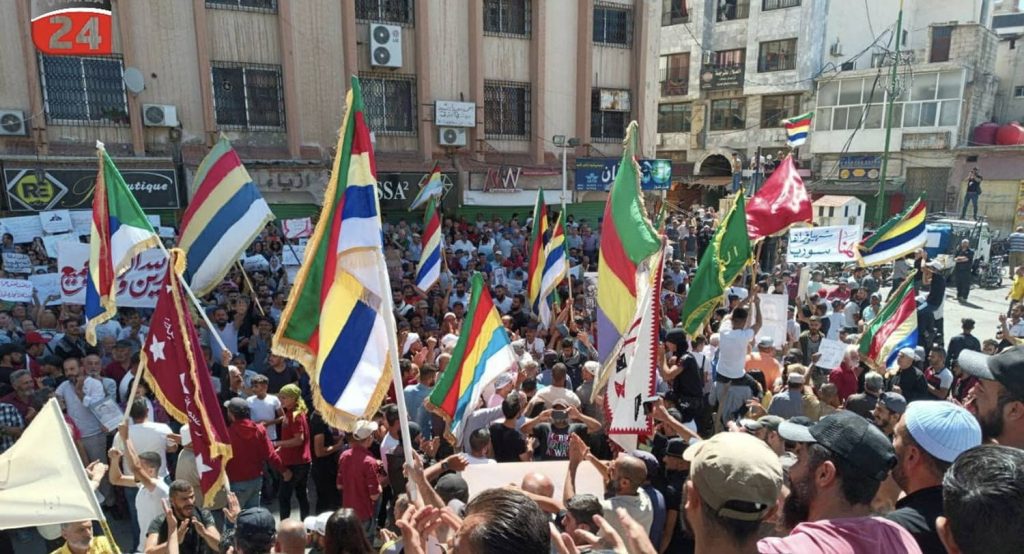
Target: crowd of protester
x=754 y=447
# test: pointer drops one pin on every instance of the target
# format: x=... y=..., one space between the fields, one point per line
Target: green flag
x=725 y=258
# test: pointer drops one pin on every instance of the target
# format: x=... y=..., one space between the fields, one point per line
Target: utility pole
x=880 y=203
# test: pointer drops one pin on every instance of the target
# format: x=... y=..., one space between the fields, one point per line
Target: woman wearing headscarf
x=293 y=447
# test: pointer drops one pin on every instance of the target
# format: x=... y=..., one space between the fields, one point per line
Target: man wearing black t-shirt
x=508 y=443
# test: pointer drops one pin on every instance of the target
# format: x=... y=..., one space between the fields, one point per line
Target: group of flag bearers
x=339 y=320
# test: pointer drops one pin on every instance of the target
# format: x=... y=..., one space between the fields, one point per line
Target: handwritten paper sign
x=255 y=263
x=293 y=255
x=136 y=288
x=297 y=228
x=47 y=287
x=17 y=263
x=24 y=228
x=823 y=244
x=832 y=352
x=55 y=221
x=773 y=317
x=15 y=290
x=81 y=222
x=50 y=242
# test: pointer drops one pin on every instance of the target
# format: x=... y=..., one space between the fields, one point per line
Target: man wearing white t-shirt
x=731 y=391
x=265 y=408
x=152 y=490
x=479 y=447
x=147 y=436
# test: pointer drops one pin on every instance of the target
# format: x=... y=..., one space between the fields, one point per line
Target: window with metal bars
x=246 y=5
x=398 y=12
x=507 y=110
x=674 y=12
x=777 y=55
x=776 y=108
x=729 y=114
x=606 y=125
x=389 y=103
x=248 y=96
x=767 y=5
x=507 y=17
x=675 y=74
x=84 y=90
x=613 y=25
x=674 y=118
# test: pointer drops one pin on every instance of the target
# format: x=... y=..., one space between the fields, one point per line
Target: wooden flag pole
x=252 y=291
x=195 y=301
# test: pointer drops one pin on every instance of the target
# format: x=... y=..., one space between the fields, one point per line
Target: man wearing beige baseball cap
x=735 y=481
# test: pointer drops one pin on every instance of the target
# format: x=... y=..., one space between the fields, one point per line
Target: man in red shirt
x=359 y=475
x=846 y=375
x=251 y=448
x=122 y=360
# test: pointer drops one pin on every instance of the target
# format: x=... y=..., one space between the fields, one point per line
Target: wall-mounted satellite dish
x=133 y=80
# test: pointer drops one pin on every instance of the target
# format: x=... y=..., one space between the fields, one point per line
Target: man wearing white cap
x=789 y=403
x=316 y=528
x=928 y=439
x=907 y=379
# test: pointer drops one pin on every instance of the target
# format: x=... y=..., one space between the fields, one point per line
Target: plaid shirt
x=9 y=417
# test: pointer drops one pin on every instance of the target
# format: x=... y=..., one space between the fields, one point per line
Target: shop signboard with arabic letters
x=136 y=288
x=29 y=190
x=598 y=174
x=823 y=244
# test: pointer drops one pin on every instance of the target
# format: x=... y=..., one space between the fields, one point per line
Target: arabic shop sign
x=859 y=168
x=823 y=244
x=598 y=174
x=32 y=190
x=718 y=77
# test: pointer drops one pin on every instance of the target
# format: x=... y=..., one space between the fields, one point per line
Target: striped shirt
x=1016 y=240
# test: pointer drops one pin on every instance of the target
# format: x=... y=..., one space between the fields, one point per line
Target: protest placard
x=773 y=317
x=480 y=477
x=293 y=255
x=297 y=228
x=136 y=288
x=47 y=287
x=55 y=221
x=81 y=222
x=15 y=290
x=832 y=352
x=50 y=242
x=255 y=263
x=17 y=263
x=154 y=220
x=23 y=228
x=823 y=244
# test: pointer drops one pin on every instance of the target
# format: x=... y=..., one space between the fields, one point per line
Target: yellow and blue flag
x=334 y=323
x=898 y=237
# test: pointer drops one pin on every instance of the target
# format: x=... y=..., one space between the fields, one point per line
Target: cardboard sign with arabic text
x=823 y=244
x=136 y=288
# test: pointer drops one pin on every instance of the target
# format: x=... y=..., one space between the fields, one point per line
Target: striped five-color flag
x=797 y=129
x=429 y=270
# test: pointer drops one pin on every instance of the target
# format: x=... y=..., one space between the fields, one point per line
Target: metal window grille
x=729 y=10
x=606 y=125
x=79 y=89
x=777 y=55
x=398 y=12
x=674 y=12
x=674 y=118
x=613 y=25
x=675 y=74
x=507 y=110
x=774 y=109
x=248 y=96
x=244 y=5
x=390 y=104
x=729 y=58
x=507 y=17
x=728 y=114
x=778 y=4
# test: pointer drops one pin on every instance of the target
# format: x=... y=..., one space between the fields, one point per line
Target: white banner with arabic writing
x=823 y=244
x=136 y=288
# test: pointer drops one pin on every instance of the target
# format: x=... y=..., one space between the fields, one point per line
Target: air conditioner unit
x=385 y=45
x=12 y=123
x=836 y=49
x=451 y=136
x=159 y=115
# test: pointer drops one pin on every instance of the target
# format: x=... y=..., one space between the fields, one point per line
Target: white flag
x=631 y=374
x=42 y=481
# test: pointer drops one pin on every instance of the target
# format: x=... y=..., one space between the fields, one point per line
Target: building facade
x=730 y=72
x=479 y=87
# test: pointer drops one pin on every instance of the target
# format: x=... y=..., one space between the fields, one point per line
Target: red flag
x=781 y=202
x=177 y=373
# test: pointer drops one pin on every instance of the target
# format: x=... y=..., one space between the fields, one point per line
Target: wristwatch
x=444 y=466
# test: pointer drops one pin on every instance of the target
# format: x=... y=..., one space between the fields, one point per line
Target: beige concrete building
x=479 y=86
